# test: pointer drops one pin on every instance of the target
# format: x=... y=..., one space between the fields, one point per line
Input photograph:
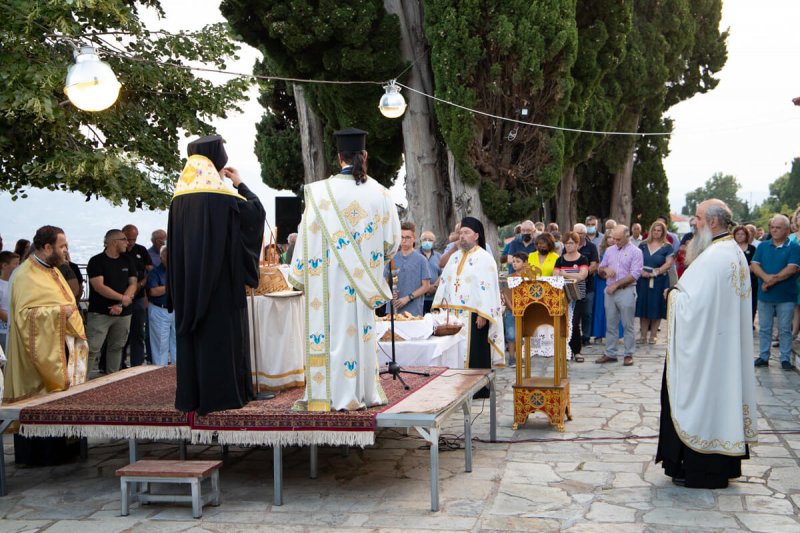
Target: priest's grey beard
x=466 y=245
x=701 y=240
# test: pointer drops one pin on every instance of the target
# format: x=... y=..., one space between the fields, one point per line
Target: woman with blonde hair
x=658 y=256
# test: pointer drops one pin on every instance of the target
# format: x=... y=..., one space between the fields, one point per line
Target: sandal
x=652 y=340
x=578 y=358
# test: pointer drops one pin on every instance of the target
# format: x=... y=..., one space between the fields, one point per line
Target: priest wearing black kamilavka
x=708 y=392
x=214 y=239
x=469 y=286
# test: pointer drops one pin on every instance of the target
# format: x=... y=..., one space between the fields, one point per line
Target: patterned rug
x=143 y=407
x=271 y=422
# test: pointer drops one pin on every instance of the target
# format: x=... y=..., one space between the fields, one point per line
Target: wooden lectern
x=534 y=303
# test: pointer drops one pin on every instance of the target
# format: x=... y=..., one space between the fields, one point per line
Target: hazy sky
x=746 y=127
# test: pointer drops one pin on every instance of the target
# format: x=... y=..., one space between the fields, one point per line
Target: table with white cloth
x=276 y=341
x=449 y=351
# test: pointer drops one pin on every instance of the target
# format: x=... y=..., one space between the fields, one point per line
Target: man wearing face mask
x=524 y=244
x=592 y=233
x=432 y=256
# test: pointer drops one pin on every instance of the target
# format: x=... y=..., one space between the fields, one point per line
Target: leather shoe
x=760 y=362
x=605 y=359
x=786 y=365
x=628 y=361
x=679 y=481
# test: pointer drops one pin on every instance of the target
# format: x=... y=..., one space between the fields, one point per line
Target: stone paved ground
x=597 y=476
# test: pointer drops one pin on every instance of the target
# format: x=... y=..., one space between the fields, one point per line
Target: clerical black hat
x=350 y=140
x=212 y=147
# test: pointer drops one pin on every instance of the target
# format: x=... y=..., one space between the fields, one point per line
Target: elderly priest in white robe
x=349 y=229
x=469 y=285
x=708 y=407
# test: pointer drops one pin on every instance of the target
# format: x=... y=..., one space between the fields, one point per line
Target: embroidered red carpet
x=143 y=407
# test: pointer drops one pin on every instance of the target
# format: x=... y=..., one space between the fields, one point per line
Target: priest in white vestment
x=708 y=416
x=469 y=286
x=350 y=228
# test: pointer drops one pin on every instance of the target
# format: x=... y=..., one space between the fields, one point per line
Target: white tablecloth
x=278 y=342
x=449 y=351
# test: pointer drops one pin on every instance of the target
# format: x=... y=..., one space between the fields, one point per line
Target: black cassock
x=213 y=247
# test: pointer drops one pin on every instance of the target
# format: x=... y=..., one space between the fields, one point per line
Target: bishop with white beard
x=708 y=408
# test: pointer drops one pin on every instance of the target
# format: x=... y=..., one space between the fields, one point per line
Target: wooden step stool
x=160 y=471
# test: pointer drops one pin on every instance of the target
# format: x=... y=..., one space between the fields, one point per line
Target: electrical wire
x=534 y=124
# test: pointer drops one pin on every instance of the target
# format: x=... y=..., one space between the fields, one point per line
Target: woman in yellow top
x=545 y=257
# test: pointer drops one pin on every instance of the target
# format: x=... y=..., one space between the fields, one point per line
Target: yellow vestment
x=40 y=334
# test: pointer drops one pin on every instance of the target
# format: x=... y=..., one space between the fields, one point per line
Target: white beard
x=701 y=240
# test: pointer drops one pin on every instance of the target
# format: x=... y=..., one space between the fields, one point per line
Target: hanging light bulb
x=91 y=84
x=392 y=104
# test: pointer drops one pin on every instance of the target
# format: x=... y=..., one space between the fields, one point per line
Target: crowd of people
x=126 y=319
x=622 y=274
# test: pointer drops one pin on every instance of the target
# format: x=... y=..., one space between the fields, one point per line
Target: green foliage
x=650 y=186
x=673 y=50
x=500 y=56
x=603 y=28
x=129 y=152
x=326 y=40
x=723 y=187
x=786 y=190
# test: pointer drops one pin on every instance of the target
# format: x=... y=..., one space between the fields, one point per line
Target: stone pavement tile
x=683 y=498
x=632 y=467
x=18 y=526
x=165 y=526
x=770 y=523
x=729 y=503
x=785 y=479
x=768 y=451
x=743 y=487
x=689 y=518
x=583 y=481
x=515 y=523
x=106 y=525
x=626 y=479
x=523 y=500
x=422 y=521
x=604 y=512
x=587 y=527
x=765 y=504
x=749 y=469
x=530 y=473
x=626 y=496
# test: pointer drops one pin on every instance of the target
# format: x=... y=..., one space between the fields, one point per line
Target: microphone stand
x=392 y=367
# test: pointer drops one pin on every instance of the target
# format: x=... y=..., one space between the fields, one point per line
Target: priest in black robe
x=214 y=237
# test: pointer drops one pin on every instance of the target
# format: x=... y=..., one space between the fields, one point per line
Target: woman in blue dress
x=651 y=307
x=599 y=310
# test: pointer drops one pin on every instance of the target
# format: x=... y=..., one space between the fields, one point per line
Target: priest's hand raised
x=232 y=174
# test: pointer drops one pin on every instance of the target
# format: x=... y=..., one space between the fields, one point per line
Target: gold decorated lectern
x=534 y=303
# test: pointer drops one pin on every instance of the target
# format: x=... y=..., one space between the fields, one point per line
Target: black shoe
x=679 y=481
x=786 y=365
x=760 y=362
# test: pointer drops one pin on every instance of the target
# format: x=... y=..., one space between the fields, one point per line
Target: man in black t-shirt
x=588 y=250
x=139 y=333
x=112 y=287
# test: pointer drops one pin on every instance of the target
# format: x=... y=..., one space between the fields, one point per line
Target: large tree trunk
x=467 y=201
x=567 y=200
x=622 y=186
x=315 y=167
x=427 y=188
